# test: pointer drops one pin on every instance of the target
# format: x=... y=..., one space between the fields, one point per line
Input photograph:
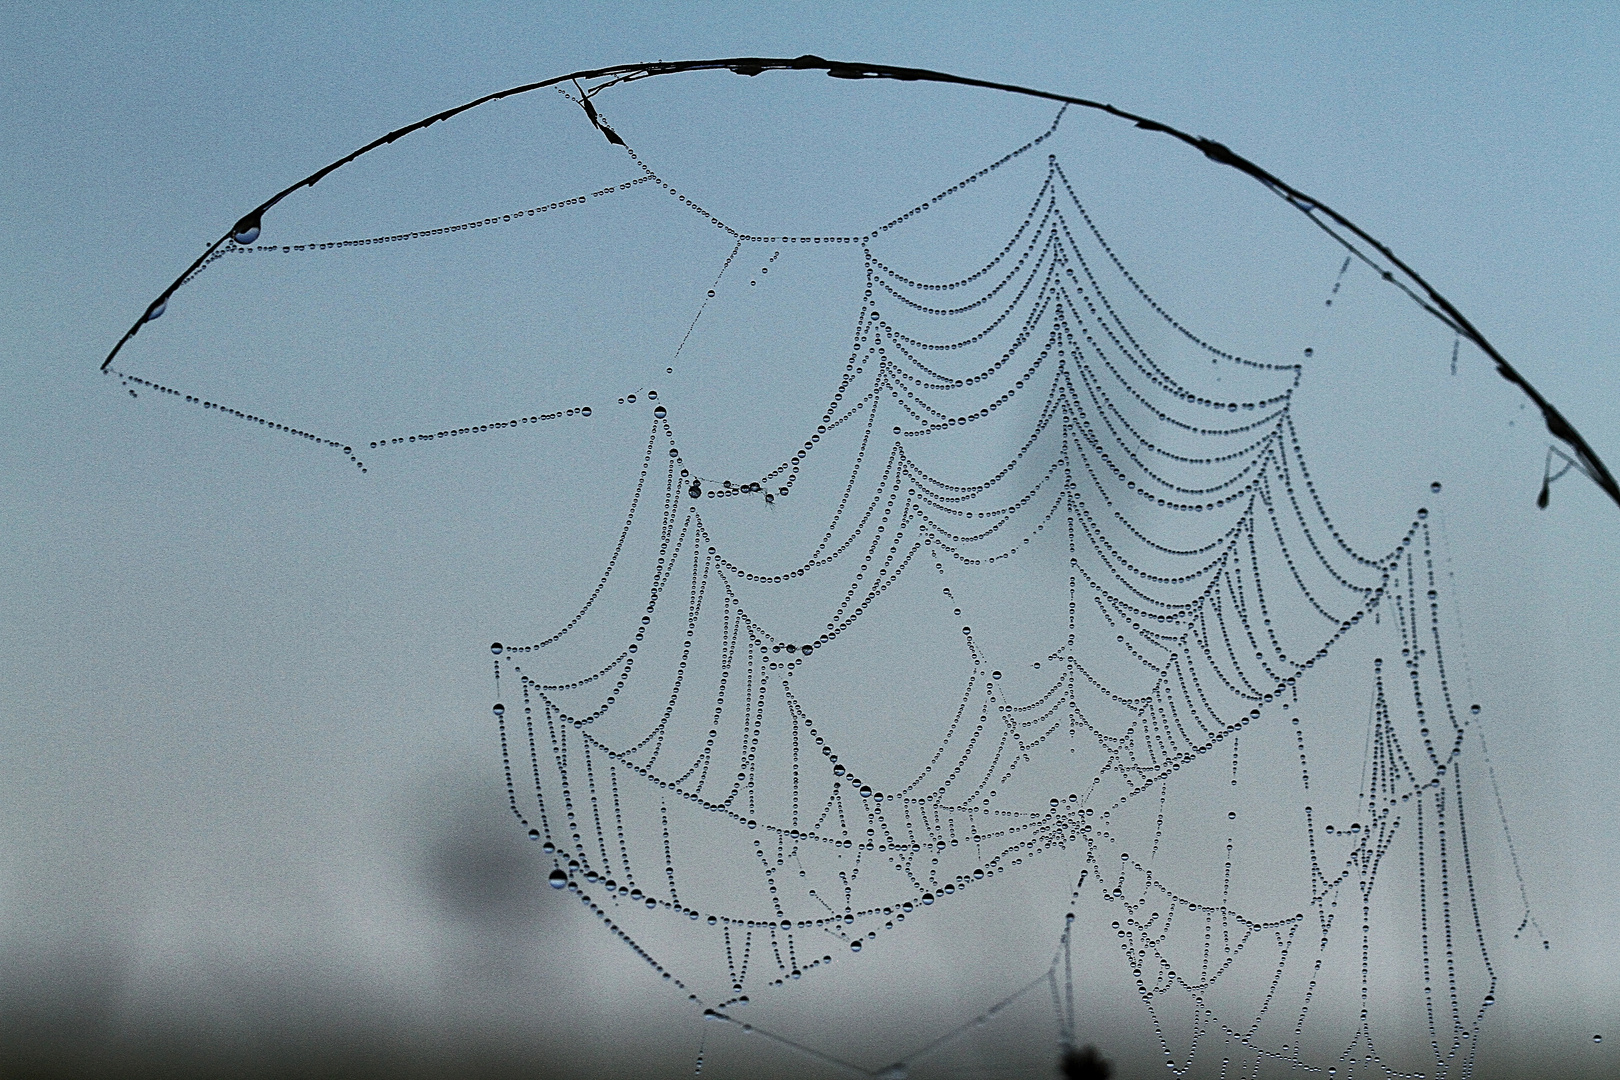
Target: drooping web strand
x=682 y=768
x=1219 y=662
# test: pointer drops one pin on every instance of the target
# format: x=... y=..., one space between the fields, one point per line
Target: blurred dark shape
x=79 y=1012
x=1085 y=1063
x=478 y=867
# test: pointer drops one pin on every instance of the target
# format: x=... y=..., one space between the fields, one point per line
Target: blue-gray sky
x=250 y=793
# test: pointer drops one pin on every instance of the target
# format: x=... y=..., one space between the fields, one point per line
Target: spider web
x=1044 y=601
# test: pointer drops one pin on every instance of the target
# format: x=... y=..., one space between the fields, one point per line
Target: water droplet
x=660 y=412
x=995 y=674
x=558 y=879
x=500 y=710
x=1474 y=709
x=156 y=310
x=586 y=411
x=1435 y=487
x=1597 y=1038
x=928 y=898
x=246 y=231
x=534 y=834
x=711 y=292
x=496 y=648
x=855 y=946
x=695 y=491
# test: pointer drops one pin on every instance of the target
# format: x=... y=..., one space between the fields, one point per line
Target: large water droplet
x=246 y=231
x=156 y=310
x=660 y=412
x=500 y=710
x=558 y=879
x=496 y=648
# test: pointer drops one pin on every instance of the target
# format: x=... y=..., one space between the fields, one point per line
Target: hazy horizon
x=256 y=817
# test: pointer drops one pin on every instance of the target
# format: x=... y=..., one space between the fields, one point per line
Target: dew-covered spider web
x=968 y=583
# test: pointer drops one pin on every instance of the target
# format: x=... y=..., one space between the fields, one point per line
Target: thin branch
x=1336 y=224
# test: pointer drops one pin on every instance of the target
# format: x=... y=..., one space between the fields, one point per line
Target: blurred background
x=253 y=812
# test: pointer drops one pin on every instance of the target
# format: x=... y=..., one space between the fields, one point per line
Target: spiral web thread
x=1206 y=583
x=1119 y=442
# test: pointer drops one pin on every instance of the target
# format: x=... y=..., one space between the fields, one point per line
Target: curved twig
x=1334 y=223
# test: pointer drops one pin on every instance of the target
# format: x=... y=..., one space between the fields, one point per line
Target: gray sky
x=252 y=803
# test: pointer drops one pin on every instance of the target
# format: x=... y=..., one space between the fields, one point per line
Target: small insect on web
x=935 y=577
